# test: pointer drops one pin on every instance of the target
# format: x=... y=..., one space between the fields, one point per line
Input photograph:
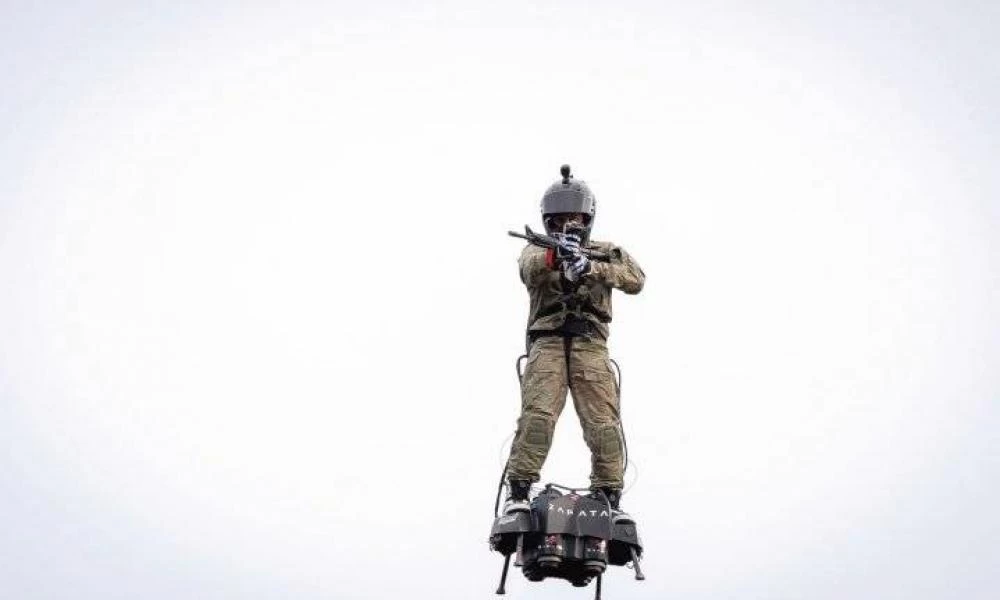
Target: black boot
x=517 y=501
x=613 y=496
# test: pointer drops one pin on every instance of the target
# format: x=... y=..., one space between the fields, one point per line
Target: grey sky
x=260 y=317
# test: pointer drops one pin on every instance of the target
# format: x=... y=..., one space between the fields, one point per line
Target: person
x=569 y=313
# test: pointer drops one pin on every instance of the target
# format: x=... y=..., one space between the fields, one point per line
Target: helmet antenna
x=565 y=174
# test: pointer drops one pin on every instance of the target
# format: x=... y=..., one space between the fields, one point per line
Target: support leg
x=597 y=588
x=503 y=576
x=635 y=561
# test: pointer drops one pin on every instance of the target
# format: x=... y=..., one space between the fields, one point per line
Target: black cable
x=621 y=426
x=503 y=473
x=496 y=505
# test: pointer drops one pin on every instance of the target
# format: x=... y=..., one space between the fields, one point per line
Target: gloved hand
x=576 y=267
x=569 y=246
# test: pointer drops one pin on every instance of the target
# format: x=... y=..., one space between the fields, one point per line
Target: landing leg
x=597 y=589
x=503 y=576
x=635 y=561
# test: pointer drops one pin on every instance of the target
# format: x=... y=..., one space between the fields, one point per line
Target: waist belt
x=573 y=327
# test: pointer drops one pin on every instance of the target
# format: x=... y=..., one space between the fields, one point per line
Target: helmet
x=569 y=196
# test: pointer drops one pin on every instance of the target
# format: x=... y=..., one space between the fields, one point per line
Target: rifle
x=547 y=241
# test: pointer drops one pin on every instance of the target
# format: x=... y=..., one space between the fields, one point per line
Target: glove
x=576 y=267
x=569 y=246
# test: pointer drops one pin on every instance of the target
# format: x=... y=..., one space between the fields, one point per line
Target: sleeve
x=535 y=264
x=623 y=272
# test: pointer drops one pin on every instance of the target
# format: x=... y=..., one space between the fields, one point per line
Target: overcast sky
x=260 y=314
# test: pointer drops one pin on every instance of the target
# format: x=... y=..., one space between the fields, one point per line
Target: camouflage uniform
x=577 y=363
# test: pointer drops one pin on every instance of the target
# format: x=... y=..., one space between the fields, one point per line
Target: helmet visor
x=567 y=201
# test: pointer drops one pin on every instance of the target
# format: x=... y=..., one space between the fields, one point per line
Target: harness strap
x=567 y=349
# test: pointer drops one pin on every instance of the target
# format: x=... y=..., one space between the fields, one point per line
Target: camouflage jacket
x=553 y=299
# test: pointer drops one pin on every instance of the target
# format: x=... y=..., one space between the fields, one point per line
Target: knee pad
x=538 y=432
x=607 y=441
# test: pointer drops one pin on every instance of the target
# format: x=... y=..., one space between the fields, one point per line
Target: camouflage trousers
x=544 y=386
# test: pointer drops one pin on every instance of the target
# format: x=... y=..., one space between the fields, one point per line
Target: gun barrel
x=545 y=241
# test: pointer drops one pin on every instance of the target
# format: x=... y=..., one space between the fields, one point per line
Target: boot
x=517 y=501
x=614 y=496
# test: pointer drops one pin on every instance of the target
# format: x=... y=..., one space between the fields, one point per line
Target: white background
x=259 y=312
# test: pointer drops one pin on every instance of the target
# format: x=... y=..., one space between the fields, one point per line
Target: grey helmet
x=569 y=196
